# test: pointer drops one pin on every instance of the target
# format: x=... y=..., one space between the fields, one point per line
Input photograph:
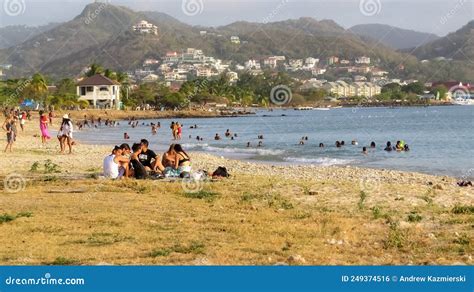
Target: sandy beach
x=56 y=210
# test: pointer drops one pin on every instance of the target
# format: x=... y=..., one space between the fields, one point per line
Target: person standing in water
x=44 y=127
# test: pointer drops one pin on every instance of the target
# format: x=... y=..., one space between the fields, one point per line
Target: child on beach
x=44 y=127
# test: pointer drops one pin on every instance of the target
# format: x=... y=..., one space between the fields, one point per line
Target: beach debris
x=335 y=242
x=296 y=259
x=464 y=183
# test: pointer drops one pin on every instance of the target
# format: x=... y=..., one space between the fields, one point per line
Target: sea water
x=441 y=138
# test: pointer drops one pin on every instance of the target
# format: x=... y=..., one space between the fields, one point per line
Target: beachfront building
x=146 y=27
x=99 y=91
x=367 y=89
x=344 y=89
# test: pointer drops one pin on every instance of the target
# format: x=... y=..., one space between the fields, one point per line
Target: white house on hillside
x=99 y=91
x=146 y=27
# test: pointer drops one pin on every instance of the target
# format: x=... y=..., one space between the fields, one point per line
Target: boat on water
x=304 y=108
x=321 y=109
x=463 y=101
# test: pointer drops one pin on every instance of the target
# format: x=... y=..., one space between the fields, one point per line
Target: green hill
x=103 y=33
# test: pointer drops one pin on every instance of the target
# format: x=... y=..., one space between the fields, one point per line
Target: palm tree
x=95 y=69
x=37 y=87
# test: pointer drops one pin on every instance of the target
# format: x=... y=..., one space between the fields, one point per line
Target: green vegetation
x=195 y=247
x=362 y=197
x=202 y=194
x=5 y=218
x=414 y=217
x=62 y=261
x=463 y=209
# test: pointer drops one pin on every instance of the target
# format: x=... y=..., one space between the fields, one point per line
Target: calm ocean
x=441 y=139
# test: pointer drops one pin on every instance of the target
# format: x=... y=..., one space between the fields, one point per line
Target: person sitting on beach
x=343 y=143
x=126 y=136
x=65 y=134
x=227 y=133
x=406 y=148
x=176 y=162
x=364 y=150
x=372 y=144
x=354 y=142
x=260 y=137
x=338 y=144
x=302 y=142
x=115 y=165
x=217 y=137
x=321 y=145
x=182 y=161
x=148 y=158
x=138 y=171
x=169 y=157
x=260 y=144
x=388 y=148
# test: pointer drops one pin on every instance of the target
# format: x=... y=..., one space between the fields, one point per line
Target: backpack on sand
x=221 y=172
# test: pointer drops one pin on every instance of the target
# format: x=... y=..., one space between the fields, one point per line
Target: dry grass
x=248 y=220
x=327 y=217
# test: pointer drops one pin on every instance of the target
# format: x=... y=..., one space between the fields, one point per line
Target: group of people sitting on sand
x=140 y=162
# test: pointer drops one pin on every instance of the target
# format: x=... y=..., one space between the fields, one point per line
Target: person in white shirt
x=115 y=165
x=65 y=134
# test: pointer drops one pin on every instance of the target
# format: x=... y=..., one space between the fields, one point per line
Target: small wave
x=323 y=161
x=194 y=146
x=258 y=151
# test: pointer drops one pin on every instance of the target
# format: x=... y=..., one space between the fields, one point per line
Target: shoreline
x=63 y=213
x=215 y=113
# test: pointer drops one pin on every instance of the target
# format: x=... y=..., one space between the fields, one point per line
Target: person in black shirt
x=148 y=158
x=139 y=171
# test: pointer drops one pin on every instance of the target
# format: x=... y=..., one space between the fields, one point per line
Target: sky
x=435 y=16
